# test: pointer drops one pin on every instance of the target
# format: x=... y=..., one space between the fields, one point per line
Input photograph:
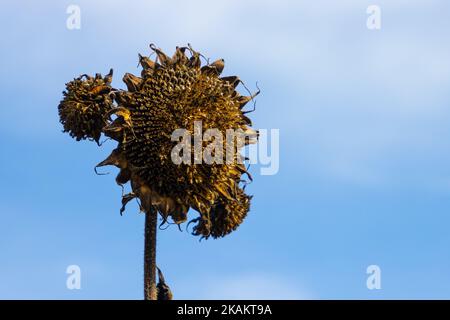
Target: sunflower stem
x=151 y=219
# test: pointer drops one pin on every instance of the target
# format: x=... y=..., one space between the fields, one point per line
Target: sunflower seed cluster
x=171 y=93
x=85 y=104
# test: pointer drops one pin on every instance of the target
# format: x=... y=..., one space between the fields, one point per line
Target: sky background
x=364 y=119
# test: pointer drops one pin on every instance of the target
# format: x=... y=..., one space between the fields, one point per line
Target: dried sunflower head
x=225 y=216
x=85 y=105
x=171 y=93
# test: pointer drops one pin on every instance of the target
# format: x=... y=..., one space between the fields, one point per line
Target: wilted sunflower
x=171 y=93
x=85 y=104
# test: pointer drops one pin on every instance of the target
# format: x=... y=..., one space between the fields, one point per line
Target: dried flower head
x=224 y=217
x=171 y=93
x=84 y=106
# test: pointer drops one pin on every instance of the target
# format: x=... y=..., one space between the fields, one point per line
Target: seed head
x=85 y=105
x=171 y=93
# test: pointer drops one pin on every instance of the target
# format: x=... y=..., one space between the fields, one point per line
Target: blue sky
x=364 y=151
